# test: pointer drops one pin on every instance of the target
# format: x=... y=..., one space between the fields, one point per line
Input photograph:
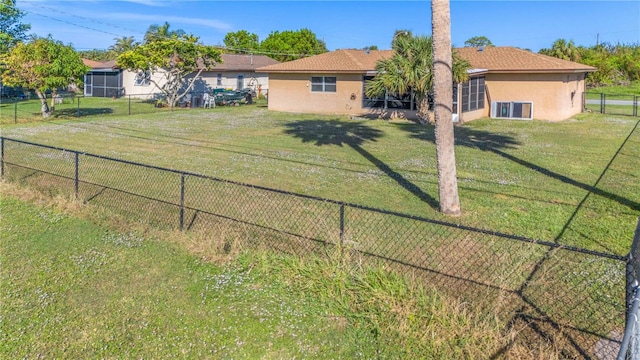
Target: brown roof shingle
x=510 y=59
x=494 y=59
x=233 y=62
x=339 y=61
x=109 y=64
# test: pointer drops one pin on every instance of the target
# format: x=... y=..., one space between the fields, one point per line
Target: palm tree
x=122 y=45
x=158 y=32
x=410 y=70
x=563 y=49
x=443 y=96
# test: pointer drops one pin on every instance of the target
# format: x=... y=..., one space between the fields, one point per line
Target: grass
x=72 y=288
x=574 y=182
x=631 y=89
x=25 y=111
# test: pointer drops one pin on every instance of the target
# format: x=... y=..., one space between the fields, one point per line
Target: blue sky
x=93 y=24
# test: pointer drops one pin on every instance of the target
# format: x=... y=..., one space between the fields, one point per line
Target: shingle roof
x=232 y=62
x=339 y=61
x=510 y=59
x=493 y=59
x=109 y=64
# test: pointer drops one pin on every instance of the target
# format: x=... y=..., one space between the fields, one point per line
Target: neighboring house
x=235 y=72
x=103 y=80
x=504 y=82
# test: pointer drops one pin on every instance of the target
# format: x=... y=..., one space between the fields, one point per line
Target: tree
x=371 y=47
x=241 y=42
x=159 y=32
x=96 y=54
x=292 y=45
x=43 y=64
x=478 y=41
x=12 y=30
x=562 y=49
x=122 y=45
x=410 y=70
x=172 y=58
x=443 y=86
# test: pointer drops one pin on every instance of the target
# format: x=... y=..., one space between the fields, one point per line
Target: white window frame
x=495 y=115
x=142 y=78
x=323 y=84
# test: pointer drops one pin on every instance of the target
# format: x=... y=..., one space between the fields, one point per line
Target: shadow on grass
x=354 y=135
x=73 y=113
x=497 y=143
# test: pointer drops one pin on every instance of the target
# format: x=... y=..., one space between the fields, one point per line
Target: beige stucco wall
x=207 y=79
x=551 y=94
x=292 y=93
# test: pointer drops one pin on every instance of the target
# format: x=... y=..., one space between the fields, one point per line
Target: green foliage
x=241 y=42
x=43 y=64
x=478 y=41
x=291 y=45
x=121 y=45
x=617 y=65
x=410 y=69
x=12 y=30
x=157 y=32
x=96 y=55
x=173 y=59
x=563 y=50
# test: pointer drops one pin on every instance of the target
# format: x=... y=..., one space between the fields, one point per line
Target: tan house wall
x=292 y=93
x=551 y=94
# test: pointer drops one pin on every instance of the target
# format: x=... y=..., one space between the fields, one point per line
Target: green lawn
x=73 y=289
x=574 y=182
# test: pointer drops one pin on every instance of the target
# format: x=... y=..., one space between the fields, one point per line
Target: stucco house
x=504 y=82
x=235 y=72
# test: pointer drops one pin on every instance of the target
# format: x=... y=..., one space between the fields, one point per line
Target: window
x=473 y=94
x=143 y=78
x=512 y=110
x=219 y=82
x=323 y=84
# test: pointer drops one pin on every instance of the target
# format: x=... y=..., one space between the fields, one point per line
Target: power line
x=247 y=51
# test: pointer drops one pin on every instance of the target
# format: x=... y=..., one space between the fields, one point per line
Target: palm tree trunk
x=443 y=98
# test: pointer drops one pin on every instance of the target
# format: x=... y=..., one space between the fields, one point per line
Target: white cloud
x=173 y=20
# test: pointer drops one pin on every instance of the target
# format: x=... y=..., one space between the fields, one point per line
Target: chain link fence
x=618 y=104
x=27 y=108
x=566 y=298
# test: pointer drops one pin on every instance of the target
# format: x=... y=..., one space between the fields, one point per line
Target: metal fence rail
x=618 y=104
x=630 y=347
x=565 y=296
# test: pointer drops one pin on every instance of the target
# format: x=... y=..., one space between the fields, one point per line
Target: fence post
x=78 y=113
x=341 y=224
x=15 y=111
x=77 y=178
x=2 y=157
x=129 y=104
x=633 y=267
x=182 y=202
x=635 y=105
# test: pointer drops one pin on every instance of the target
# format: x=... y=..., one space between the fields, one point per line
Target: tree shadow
x=354 y=135
x=497 y=143
x=71 y=112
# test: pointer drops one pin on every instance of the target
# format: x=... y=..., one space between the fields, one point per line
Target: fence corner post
x=341 y=224
x=182 y=202
x=77 y=178
x=2 y=157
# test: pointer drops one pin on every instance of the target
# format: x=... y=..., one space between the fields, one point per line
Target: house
x=235 y=72
x=103 y=80
x=504 y=82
